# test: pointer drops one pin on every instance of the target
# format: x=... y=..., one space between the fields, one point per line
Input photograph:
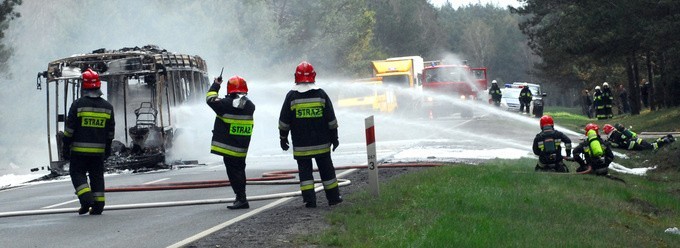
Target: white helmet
x=493 y=82
x=605 y=85
x=597 y=87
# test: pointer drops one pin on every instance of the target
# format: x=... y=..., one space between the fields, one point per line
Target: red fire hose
x=274 y=177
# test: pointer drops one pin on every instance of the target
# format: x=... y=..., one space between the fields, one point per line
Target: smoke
x=218 y=31
x=237 y=35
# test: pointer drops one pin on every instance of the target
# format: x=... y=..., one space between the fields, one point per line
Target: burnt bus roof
x=129 y=61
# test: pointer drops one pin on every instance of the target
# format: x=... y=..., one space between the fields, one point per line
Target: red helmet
x=91 y=80
x=592 y=126
x=304 y=73
x=236 y=84
x=608 y=129
x=546 y=120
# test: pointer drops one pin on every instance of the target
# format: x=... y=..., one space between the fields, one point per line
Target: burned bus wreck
x=143 y=85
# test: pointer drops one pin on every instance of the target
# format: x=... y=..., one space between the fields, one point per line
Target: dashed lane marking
x=155 y=181
x=59 y=204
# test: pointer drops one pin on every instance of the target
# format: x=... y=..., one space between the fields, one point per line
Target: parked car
x=510 y=99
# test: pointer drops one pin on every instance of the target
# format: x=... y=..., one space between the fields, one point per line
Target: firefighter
x=88 y=133
x=599 y=104
x=307 y=113
x=525 y=98
x=607 y=100
x=621 y=137
x=586 y=102
x=593 y=154
x=232 y=131
x=495 y=93
x=548 y=147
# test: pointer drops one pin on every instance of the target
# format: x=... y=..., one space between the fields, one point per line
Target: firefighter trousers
x=327 y=173
x=92 y=193
x=236 y=171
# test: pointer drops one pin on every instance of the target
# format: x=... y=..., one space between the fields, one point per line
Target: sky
x=459 y=3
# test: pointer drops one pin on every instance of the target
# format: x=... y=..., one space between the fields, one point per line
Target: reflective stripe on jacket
x=310 y=118
x=233 y=126
x=90 y=126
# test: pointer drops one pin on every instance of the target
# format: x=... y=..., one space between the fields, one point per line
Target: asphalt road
x=162 y=227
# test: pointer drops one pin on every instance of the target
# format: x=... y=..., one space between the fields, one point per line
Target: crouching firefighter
x=88 y=133
x=231 y=132
x=593 y=154
x=621 y=137
x=548 y=147
x=307 y=113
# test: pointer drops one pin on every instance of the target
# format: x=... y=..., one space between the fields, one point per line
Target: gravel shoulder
x=282 y=225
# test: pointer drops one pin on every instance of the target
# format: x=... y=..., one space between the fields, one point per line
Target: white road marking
x=59 y=204
x=228 y=223
x=209 y=231
x=159 y=180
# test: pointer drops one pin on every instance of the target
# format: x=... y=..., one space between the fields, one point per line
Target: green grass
x=664 y=120
x=505 y=203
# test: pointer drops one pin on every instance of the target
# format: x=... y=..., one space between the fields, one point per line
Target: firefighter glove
x=218 y=80
x=284 y=144
x=335 y=143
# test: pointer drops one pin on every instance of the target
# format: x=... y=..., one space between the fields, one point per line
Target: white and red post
x=371 y=155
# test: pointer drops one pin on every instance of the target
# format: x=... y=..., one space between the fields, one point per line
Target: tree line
x=584 y=43
x=565 y=45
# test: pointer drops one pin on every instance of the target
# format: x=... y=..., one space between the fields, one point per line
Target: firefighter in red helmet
x=593 y=154
x=548 y=146
x=88 y=133
x=621 y=137
x=232 y=131
x=307 y=113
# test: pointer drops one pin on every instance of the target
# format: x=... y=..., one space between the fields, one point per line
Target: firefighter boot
x=86 y=201
x=309 y=198
x=333 y=196
x=97 y=208
x=240 y=203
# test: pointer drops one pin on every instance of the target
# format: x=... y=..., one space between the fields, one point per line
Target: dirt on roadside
x=283 y=225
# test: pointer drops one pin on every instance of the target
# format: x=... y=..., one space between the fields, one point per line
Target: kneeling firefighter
x=88 y=133
x=621 y=137
x=593 y=154
x=548 y=147
x=231 y=132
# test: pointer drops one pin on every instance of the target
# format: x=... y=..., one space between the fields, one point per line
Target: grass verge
x=664 y=120
x=505 y=203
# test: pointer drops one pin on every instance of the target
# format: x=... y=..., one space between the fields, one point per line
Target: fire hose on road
x=270 y=178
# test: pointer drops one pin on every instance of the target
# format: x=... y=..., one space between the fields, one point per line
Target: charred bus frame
x=143 y=84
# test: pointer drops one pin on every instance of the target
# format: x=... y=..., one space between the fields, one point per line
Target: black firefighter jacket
x=233 y=124
x=310 y=118
x=89 y=127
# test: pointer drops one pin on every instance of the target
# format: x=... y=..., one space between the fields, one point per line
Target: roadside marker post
x=371 y=155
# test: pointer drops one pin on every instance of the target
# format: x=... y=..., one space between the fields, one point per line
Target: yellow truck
x=368 y=94
x=400 y=71
x=390 y=87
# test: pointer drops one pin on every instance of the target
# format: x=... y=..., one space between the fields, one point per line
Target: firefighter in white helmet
x=495 y=93
x=608 y=100
x=307 y=113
